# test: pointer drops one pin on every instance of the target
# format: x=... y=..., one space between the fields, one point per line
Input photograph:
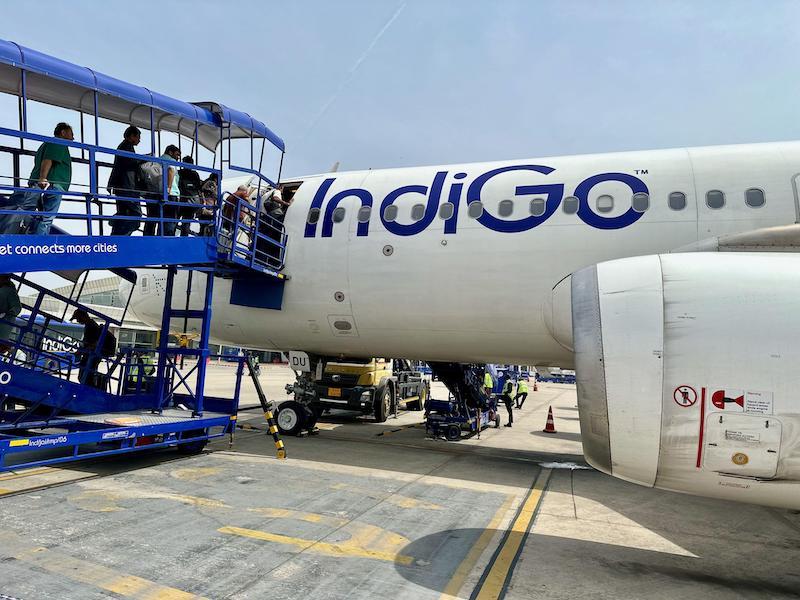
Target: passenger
x=170 y=211
x=52 y=171
x=522 y=392
x=124 y=183
x=275 y=204
x=189 y=184
x=88 y=353
x=229 y=206
x=270 y=229
x=508 y=392
x=9 y=309
x=209 y=191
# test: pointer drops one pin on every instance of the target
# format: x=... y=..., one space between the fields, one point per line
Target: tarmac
x=367 y=510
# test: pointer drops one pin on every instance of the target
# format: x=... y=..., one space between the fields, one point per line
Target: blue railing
x=93 y=197
x=248 y=235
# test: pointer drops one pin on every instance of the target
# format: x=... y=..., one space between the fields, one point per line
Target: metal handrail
x=94 y=186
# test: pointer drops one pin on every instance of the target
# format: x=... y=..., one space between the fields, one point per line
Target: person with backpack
x=189 y=184
x=89 y=355
x=209 y=192
x=52 y=171
x=156 y=208
x=124 y=183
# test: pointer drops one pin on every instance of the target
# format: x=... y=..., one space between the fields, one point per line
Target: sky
x=374 y=84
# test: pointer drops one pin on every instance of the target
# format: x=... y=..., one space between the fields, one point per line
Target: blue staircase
x=53 y=410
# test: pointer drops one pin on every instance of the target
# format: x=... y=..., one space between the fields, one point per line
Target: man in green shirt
x=52 y=171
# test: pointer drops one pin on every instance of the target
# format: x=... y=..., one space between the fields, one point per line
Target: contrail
x=351 y=73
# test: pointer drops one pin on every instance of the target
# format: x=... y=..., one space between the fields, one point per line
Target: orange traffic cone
x=535 y=386
x=551 y=425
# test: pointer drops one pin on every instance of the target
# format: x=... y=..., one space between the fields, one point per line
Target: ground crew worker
x=508 y=391
x=142 y=366
x=522 y=393
x=488 y=383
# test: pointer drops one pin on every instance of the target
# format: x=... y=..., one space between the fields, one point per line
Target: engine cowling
x=687 y=369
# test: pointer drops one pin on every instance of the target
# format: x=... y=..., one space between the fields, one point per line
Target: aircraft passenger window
x=538 y=206
x=364 y=213
x=571 y=205
x=505 y=208
x=338 y=214
x=313 y=216
x=417 y=212
x=605 y=203
x=390 y=214
x=640 y=202
x=475 y=209
x=754 y=198
x=715 y=199
x=446 y=210
x=677 y=200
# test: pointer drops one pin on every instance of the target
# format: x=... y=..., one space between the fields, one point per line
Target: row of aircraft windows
x=753 y=197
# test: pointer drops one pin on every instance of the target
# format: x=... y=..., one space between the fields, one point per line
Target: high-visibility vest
x=522 y=387
x=148 y=367
x=508 y=388
x=487 y=381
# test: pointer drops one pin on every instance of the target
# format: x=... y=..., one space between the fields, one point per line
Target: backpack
x=151 y=176
x=109 y=344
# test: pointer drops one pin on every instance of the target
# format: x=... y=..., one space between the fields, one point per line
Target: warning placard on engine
x=738 y=400
x=758 y=402
x=742 y=436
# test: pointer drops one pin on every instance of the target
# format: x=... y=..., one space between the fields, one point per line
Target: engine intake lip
x=590 y=370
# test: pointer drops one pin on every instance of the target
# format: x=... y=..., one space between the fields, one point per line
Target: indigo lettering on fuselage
x=552 y=192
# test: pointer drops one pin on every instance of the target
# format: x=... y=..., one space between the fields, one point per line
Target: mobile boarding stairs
x=54 y=409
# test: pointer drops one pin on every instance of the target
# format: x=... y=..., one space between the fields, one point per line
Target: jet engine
x=688 y=368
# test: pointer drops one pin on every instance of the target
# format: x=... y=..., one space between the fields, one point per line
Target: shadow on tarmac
x=562 y=567
x=561 y=435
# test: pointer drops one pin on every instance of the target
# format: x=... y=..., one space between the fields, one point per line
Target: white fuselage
x=459 y=290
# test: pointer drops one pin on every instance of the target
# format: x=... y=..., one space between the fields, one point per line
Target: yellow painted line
x=341 y=549
x=493 y=586
x=24 y=473
x=465 y=568
x=82 y=571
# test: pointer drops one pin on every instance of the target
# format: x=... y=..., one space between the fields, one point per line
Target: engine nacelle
x=687 y=369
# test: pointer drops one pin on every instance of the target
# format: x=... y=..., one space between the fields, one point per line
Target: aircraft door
x=796 y=192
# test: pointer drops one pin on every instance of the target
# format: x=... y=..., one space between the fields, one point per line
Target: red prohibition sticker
x=685 y=396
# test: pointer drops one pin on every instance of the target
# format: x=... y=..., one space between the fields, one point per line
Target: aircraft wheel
x=291 y=418
x=313 y=413
x=453 y=432
x=424 y=392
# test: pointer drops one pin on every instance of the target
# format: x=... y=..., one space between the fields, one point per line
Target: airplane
x=664 y=277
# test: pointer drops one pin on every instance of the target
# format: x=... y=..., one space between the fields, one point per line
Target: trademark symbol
x=640 y=171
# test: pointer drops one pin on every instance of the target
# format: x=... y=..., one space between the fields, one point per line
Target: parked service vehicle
x=369 y=386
